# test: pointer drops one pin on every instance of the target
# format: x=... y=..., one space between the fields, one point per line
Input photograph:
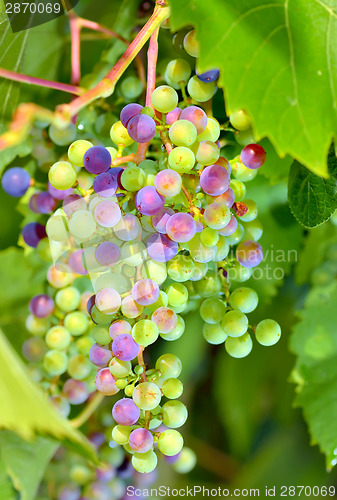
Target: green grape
x=211 y=132
x=131 y=87
x=146 y=395
x=161 y=302
x=79 y=367
x=55 y=362
x=145 y=332
x=128 y=448
x=133 y=253
x=77 y=150
x=185 y=462
x=177 y=294
x=239 y=273
x=253 y=230
x=243 y=173
x=252 y=211
x=180 y=268
x=177 y=72
x=209 y=237
x=129 y=390
x=214 y=333
x=62 y=175
x=164 y=98
x=200 y=253
x=76 y=323
x=239 y=347
x=212 y=310
x=217 y=215
x=245 y=137
x=191 y=44
x=177 y=332
x=201 y=91
x=100 y=334
x=174 y=414
x=133 y=178
x=236 y=237
x=82 y=224
x=222 y=249
x=58 y=337
x=113 y=153
x=130 y=308
x=144 y=462
x=239 y=189
x=98 y=317
x=68 y=299
x=62 y=136
x=235 y=323
x=170 y=442
x=181 y=159
x=80 y=474
x=169 y=365
x=57 y=228
x=155 y=271
x=121 y=433
x=119 y=135
x=121 y=383
x=37 y=326
x=138 y=370
x=172 y=388
x=209 y=285
x=268 y=332
x=207 y=153
x=200 y=270
x=244 y=299
x=84 y=344
x=183 y=133
x=240 y=120
x=43 y=250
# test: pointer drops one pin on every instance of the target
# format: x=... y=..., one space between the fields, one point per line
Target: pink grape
x=125 y=412
x=195 y=115
x=253 y=156
x=148 y=201
x=75 y=262
x=41 y=306
x=141 y=440
x=227 y=198
x=128 y=228
x=165 y=319
x=249 y=253
x=118 y=327
x=230 y=228
x=100 y=355
x=181 y=227
x=160 y=248
x=108 y=300
x=173 y=116
x=168 y=182
x=124 y=347
x=75 y=391
x=107 y=253
x=59 y=194
x=142 y=128
x=129 y=111
x=214 y=180
x=105 y=382
x=159 y=220
x=73 y=203
x=107 y=213
x=145 y=292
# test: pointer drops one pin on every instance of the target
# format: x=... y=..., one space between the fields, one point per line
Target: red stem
x=75 y=32
x=18 y=77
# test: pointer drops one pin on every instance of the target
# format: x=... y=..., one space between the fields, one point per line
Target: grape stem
x=32 y=80
x=141 y=363
x=93 y=404
x=123 y=159
x=193 y=208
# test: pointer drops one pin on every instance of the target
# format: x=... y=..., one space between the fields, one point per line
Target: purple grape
x=73 y=203
x=145 y=292
x=15 y=181
x=141 y=440
x=249 y=253
x=107 y=253
x=107 y=213
x=59 y=194
x=97 y=439
x=105 y=184
x=129 y=111
x=172 y=459
x=34 y=349
x=160 y=248
x=124 y=347
x=118 y=327
x=75 y=262
x=148 y=201
x=214 y=180
x=91 y=302
x=45 y=203
x=41 y=306
x=209 y=76
x=173 y=116
x=105 y=382
x=33 y=203
x=33 y=233
x=227 y=198
x=128 y=228
x=106 y=473
x=97 y=159
x=125 y=412
x=195 y=115
x=253 y=156
x=126 y=471
x=230 y=228
x=160 y=220
x=75 y=391
x=181 y=227
x=100 y=355
x=116 y=173
x=142 y=128
x=69 y=492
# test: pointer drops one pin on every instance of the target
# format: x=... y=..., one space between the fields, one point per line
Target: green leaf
x=26 y=462
x=8 y=155
x=312 y=199
x=25 y=409
x=6 y=488
x=277 y=61
x=315 y=344
x=276 y=169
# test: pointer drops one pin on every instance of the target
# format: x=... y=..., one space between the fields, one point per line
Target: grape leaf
x=25 y=409
x=312 y=199
x=32 y=458
x=6 y=488
x=278 y=62
x=276 y=169
x=315 y=344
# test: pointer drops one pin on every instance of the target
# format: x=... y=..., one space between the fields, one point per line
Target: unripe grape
x=170 y=442
x=62 y=136
x=209 y=285
x=119 y=134
x=201 y=91
x=212 y=310
x=68 y=299
x=121 y=433
x=76 y=323
x=239 y=189
x=145 y=332
x=239 y=347
x=164 y=98
x=211 y=132
x=172 y=388
x=146 y=395
x=183 y=133
x=178 y=72
x=207 y=153
x=79 y=367
x=234 y=323
x=244 y=299
x=268 y=332
x=169 y=366
x=174 y=414
x=55 y=362
x=177 y=332
x=77 y=150
x=240 y=120
x=251 y=214
x=181 y=159
x=191 y=44
x=186 y=461
x=62 y=175
x=214 y=333
x=58 y=337
x=131 y=87
x=144 y=462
